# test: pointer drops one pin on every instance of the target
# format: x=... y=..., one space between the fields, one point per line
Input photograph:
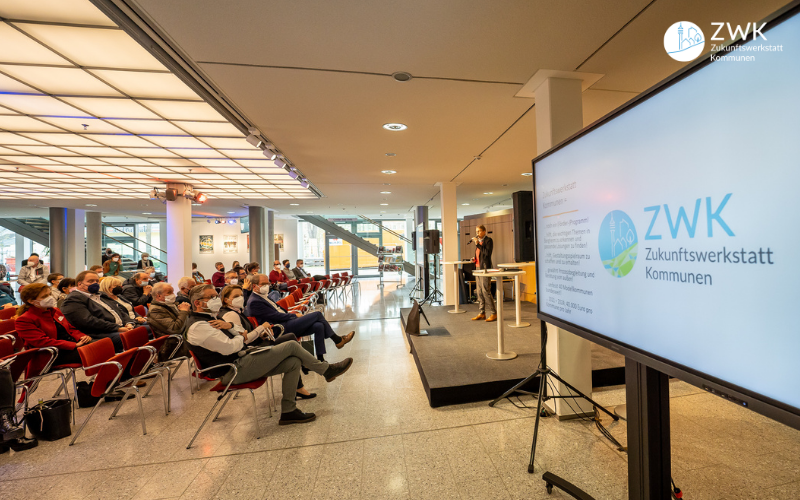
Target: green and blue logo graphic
x=618 y=243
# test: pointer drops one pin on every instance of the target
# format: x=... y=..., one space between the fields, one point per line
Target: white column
x=559 y=114
x=94 y=239
x=76 y=242
x=266 y=267
x=447 y=196
x=162 y=240
x=179 y=236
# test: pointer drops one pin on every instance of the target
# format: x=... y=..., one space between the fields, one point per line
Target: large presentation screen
x=673 y=228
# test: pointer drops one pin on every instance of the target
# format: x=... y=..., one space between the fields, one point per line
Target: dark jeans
x=67 y=357
x=312 y=324
x=7 y=390
x=114 y=336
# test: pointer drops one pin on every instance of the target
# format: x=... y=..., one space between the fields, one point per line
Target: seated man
x=215 y=342
x=164 y=316
x=97 y=269
x=300 y=273
x=33 y=272
x=137 y=290
x=218 y=278
x=153 y=276
x=86 y=311
x=185 y=286
x=53 y=279
x=261 y=307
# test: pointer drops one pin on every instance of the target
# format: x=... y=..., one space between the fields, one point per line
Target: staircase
x=35 y=229
x=356 y=241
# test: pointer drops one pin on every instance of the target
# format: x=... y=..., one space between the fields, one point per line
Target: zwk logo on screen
x=684 y=41
x=618 y=242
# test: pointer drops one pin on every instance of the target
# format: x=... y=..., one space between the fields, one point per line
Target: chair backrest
x=306 y=280
x=253 y=321
x=102 y=351
x=41 y=362
x=199 y=367
x=291 y=283
x=140 y=310
x=8 y=313
x=20 y=363
x=290 y=300
x=284 y=303
x=297 y=295
x=96 y=352
x=134 y=338
x=8 y=325
x=6 y=347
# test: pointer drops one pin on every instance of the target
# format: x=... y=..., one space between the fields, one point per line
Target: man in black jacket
x=483 y=285
x=137 y=290
x=86 y=311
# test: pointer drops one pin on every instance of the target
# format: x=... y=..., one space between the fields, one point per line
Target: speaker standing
x=483 y=285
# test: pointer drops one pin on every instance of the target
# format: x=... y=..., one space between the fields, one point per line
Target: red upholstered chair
x=8 y=313
x=9 y=327
x=142 y=365
x=253 y=321
x=140 y=311
x=226 y=391
x=99 y=360
x=6 y=345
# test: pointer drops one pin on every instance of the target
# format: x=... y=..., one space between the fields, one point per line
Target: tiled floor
x=376 y=437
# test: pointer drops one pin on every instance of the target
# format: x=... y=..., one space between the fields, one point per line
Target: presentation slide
x=675 y=227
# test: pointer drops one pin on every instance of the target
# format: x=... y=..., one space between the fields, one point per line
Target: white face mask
x=47 y=303
x=33 y=264
x=214 y=305
x=152 y=275
x=234 y=281
x=264 y=290
x=100 y=274
x=238 y=302
x=170 y=299
x=300 y=266
x=115 y=259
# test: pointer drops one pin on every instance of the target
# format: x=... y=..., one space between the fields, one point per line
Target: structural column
x=257 y=217
x=179 y=236
x=447 y=196
x=76 y=242
x=559 y=114
x=58 y=240
x=270 y=242
x=94 y=238
x=162 y=243
x=421 y=217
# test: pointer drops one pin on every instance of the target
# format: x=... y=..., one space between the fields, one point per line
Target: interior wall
x=205 y=262
x=289 y=229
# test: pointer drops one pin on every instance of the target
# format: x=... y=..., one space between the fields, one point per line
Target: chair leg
x=255 y=413
x=204 y=422
x=85 y=422
x=141 y=409
x=223 y=406
x=269 y=399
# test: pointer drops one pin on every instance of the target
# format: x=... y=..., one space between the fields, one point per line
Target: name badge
x=60 y=318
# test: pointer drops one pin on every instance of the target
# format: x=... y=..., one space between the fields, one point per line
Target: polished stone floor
x=376 y=437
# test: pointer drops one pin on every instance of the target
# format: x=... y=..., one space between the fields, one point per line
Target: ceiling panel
x=65 y=81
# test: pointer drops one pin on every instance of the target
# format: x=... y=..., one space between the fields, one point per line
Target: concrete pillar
x=179 y=236
x=270 y=242
x=76 y=242
x=162 y=244
x=421 y=217
x=258 y=229
x=559 y=114
x=19 y=252
x=94 y=238
x=447 y=196
x=58 y=240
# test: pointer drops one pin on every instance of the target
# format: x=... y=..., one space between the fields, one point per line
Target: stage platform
x=452 y=360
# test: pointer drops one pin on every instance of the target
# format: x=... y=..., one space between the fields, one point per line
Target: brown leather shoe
x=480 y=316
x=491 y=318
x=347 y=338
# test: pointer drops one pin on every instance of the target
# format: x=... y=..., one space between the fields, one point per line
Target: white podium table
x=498 y=276
x=456 y=264
x=517 y=300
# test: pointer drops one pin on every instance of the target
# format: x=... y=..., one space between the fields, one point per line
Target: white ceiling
x=314 y=77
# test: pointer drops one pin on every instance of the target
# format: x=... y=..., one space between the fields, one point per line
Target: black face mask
x=222 y=269
x=116 y=290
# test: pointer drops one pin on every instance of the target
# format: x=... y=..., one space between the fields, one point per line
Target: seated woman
x=112 y=266
x=197 y=276
x=287 y=270
x=6 y=300
x=232 y=311
x=110 y=290
x=41 y=324
x=64 y=288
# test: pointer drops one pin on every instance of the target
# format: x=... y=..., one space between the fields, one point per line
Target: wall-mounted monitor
x=669 y=230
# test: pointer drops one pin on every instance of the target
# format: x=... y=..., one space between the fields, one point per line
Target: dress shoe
x=491 y=318
x=19 y=444
x=347 y=338
x=296 y=417
x=336 y=369
x=8 y=429
x=300 y=395
x=479 y=317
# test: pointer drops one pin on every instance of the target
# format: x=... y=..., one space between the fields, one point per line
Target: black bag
x=165 y=353
x=50 y=420
x=85 y=398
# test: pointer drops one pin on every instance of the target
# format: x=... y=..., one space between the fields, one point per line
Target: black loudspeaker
x=431 y=239
x=414 y=241
x=524 y=250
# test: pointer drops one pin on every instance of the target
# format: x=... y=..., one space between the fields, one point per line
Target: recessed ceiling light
x=402 y=76
x=391 y=154
x=527 y=174
x=388 y=171
x=147 y=213
x=464 y=204
x=231 y=212
x=394 y=127
x=383 y=211
x=384 y=204
x=294 y=204
x=386 y=192
x=90 y=205
x=489 y=192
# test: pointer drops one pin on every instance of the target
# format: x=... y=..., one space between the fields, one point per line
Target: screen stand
x=647 y=394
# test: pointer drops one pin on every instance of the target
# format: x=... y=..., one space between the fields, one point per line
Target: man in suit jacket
x=301 y=273
x=261 y=307
x=87 y=312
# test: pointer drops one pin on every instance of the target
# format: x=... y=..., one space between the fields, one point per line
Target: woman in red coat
x=41 y=324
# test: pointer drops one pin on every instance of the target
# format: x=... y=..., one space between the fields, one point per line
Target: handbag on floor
x=85 y=398
x=50 y=420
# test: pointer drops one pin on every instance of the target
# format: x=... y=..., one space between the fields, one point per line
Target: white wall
x=205 y=262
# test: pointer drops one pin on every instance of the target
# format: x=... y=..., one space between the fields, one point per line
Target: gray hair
x=198 y=292
x=184 y=282
x=160 y=288
x=256 y=279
